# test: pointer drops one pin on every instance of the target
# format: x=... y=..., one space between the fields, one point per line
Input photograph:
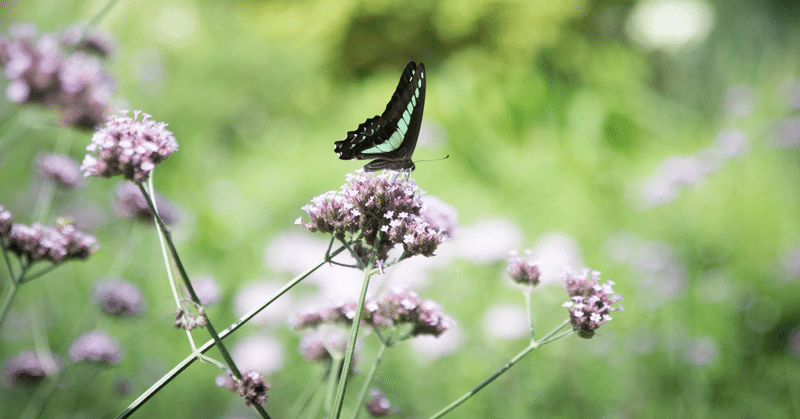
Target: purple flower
x=524 y=271
x=130 y=203
x=118 y=297
x=321 y=343
x=370 y=204
x=27 y=368
x=377 y=404
x=207 y=290
x=6 y=221
x=590 y=302
x=93 y=40
x=97 y=347
x=251 y=387
x=60 y=169
x=38 y=242
x=129 y=147
x=39 y=71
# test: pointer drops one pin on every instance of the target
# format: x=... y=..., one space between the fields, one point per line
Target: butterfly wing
x=390 y=139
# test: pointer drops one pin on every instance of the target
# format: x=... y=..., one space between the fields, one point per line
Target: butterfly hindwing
x=390 y=139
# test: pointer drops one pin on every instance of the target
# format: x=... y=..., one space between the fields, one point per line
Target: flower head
x=590 y=302
x=41 y=71
x=6 y=221
x=377 y=404
x=38 y=242
x=251 y=387
x=27 y=368
x=118 y=297
x=129 y=147
x=59 y=169
x=376 y=210
x=97 y=347
x=524 y=271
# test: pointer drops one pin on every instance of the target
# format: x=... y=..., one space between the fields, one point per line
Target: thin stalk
x=351 y=346
x=368 y=380
x=305 y=395
x=330 y=391
x=163 y=381
x=533 y=345
x=10 y=294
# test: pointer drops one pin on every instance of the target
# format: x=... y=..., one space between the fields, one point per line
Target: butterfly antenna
x=443 y=158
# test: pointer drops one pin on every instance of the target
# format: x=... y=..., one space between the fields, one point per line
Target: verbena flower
x=26 y=369
x=6 y=221
x=40 y=71
x=524 y=271
x=251 y=387
x=322 y=344
x=59 y=169
x=129 y=147
x=400 y=308
x=92 y=40
x=590 y=302
x=130 y=203
x=38 y=242
x=96 y=347
x=377 y=404
x=118 y=297
x=372 y=203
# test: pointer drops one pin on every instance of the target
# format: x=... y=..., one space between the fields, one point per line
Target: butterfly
x=390 y=139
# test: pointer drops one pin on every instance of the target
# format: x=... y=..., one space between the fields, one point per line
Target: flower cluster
x=6 y=221
x=118 y=297
x=129 y=147
x=41 y=71
x=130 y=203
x=59 y=169
x=398 y=308
x=96 y=347
x=523 y=271
x=93 y=40
x=378 y=211
x=590 y=302
x=26 y=369
x=377 y=404
x=37 y=242
x=321 y=345
x=251 y=387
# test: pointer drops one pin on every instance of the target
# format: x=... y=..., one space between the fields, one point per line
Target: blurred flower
x=487 y=240
x=555 y=252
x=259 y=353
x=97 y=347
x=130 y=203
x=523 y=271
x=701 y=351
x=428 y=348
x=670 y=24
x=590 y=304
x=440 y=215
x=40 y=72
x=38 y=242
x=789 y=261
x=377 y=404
x=27 y=368
x=118 y=297
x=207 y=290
x=790 y=93
x=251 y=387
x=129 y=147
x=60 y=169
x=731 y=143
x=322 y=344
x=793 y=342
x=294 y=252
x=739 y=101
x=370 y=203
x=392 y=311
x=672 y=174
x=786 y=132
x=92 y=40
x=6 y=221
x=506 y=322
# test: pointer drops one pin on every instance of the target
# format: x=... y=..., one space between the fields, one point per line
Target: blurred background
x=655 y=141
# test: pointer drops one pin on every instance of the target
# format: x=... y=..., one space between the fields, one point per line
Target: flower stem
x=533 y=345
x=351 y=346
x=163 y=381
x=12 y=291
x=368 y=380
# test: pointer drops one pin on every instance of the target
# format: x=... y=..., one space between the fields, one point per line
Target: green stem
x=335 y=365
x=351 y=346
x=368 y=380
x=12 y=291
x=189 y=360
x=503 y=369
x=306 y=395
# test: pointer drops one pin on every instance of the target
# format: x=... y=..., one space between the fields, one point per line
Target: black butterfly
x=390 y=139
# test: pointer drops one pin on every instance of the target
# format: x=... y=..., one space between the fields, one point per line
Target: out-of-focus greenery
x=553 y=117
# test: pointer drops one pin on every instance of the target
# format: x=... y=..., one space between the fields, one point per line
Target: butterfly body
x=389 y=139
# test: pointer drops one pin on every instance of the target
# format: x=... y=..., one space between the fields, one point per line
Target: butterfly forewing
x=390 y=139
